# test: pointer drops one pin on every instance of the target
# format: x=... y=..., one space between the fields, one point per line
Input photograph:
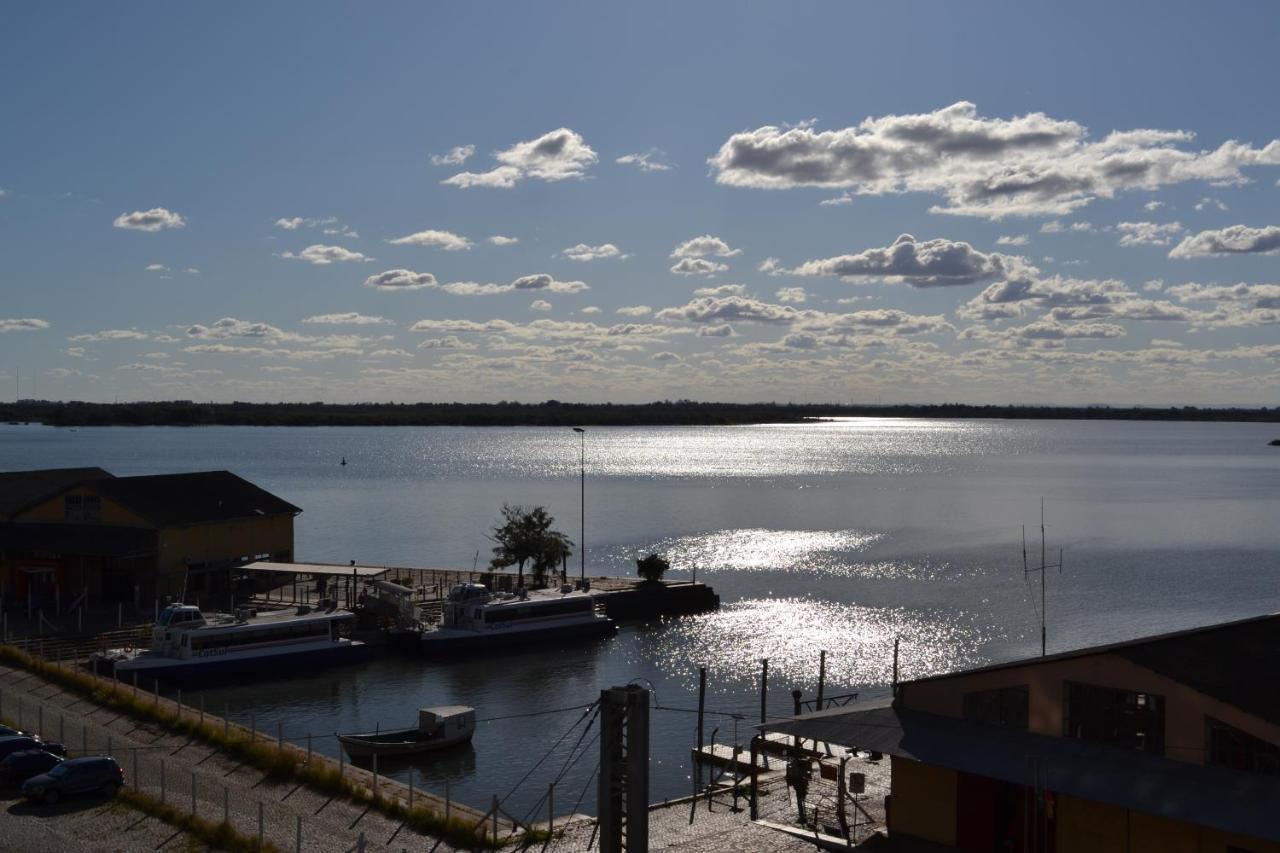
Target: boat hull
x=436 y=644
x=369 y=745
x=278 y=664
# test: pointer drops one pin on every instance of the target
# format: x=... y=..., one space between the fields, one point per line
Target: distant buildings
x=1169 y=743
x=133 y=539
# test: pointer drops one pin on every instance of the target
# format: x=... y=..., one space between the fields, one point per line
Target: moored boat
x=438 y=728
x=475 y=619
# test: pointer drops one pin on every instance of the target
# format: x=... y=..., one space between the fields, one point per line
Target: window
x=1117 y=717
x=1006 y=707
x=82 y=508
x=1231 y=747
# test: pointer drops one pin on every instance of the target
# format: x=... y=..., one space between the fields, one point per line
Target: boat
x=438 y=728
x=186 y=642
x=475 y=619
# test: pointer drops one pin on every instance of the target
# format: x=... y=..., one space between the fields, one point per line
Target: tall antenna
x=1027 y=570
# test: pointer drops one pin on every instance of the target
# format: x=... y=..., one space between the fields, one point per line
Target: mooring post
x=764 y=689
x=822 y=676
x=795 y=701
x=895 y=667
x=841 y=779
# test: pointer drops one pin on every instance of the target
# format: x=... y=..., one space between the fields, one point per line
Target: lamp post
x=582 y=482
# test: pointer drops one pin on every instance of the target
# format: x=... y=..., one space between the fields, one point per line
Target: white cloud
x=590 y=309
x=698 y=266
x=710 y=309
x=634 y=311
x=1154 y=285
x=664 y=357
x=721 y=330
x=446 y=240
x=539 y=305
x=157 y=268
x=112 y=335
x=1148 y=233
x=555 y=156
x=400 y=280
x=322 y=255
x=293 y=223
x=703 y=247
x=456 y=156
x=22 y=324
x=923 y=263
x=155 y=219
x=1260 y=295
x=1232 y=240
x=449 y=342
x=649 y=161
x=499 y=240
x=350 y=318
x=583 y=252
x=192 y=271
x=1206 y=203
x=532 y=282
x=722 y=290
x=1153 y=205
x=989 y=167
x=1013 y=240
x=794 y=295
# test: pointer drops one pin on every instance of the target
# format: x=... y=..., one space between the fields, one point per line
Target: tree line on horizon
x=557 y=413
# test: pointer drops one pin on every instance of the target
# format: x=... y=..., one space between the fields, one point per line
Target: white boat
x=475 y=619
x=438 y=728
x=186 y=642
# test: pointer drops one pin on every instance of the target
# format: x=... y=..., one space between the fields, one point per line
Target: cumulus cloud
x=400 y=280
x=155 y=219
x=698 y=266
x=322 y=255
x=583 y=252
x=664 y=356
x=1259 y=295
x=1045 y=330
x=157 y=268
x=649 y=161
x=1207 y=203
x=350 y=318
x=556 y=156
x=1148 y=233
x=500 y=240
x=539 y=305
x=923 y=263
x=988 y=167
x=634 y=310
x=22 y=324
x=451 y=342
x=590 y=309
x=1012 y=240
x=446 y=240
x=456 y=156
x=1232 y=240
x=791 y=294
x=704 y=247
x=711 y=309
x=722 y=290
x=1153 y=205
x=720 y=330
x=532 y=282
x=111 y=335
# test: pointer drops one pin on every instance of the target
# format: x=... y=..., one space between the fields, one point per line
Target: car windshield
x=59 y=771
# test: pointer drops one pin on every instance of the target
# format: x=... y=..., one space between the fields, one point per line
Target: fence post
x=179 y=704
x=279 y=735
x=84 y=739
x=136 y=783
x=193 y=793
x=40 y=720
x=495 y=818
x=298 y=845
x=551 y=808
x=202 y=713
x=308 y=749
x=259 y=824
x=162 y=786
x=447 y=802
x=375 y=775
x=226 y=805
x=253 y=726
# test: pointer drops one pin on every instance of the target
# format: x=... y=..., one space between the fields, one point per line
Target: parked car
x=20 y=743
x=6 y=731
x=76 y=776
x=18 y=767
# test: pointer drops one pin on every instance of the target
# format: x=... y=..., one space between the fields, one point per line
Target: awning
x=315 y=569
x=1231 y=800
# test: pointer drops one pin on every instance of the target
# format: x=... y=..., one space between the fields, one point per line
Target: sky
x=1001 y=202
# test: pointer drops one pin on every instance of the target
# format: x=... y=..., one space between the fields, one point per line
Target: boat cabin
x=471 y=607
x=182 y=631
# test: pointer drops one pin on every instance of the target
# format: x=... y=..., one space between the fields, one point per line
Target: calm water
x=836 y=536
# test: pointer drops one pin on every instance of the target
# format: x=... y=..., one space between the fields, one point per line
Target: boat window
x=562 y=607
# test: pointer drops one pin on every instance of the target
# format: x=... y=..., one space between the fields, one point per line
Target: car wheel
x=51 y=797
x=110 y=789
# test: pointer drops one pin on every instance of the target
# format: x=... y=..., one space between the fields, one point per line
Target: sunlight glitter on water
x=790 y=632
x=758 y=549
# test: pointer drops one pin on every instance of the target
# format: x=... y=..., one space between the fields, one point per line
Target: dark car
x=6 y=731
x=21 y=766
x=76 y=776
x=21 y=743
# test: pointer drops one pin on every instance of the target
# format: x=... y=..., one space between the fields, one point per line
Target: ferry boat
x=186 y=642
x=475 y=619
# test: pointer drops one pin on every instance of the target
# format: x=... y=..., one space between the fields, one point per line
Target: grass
x=279 y=764
x=216 y=834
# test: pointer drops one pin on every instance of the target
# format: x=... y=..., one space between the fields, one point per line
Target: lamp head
x=579 y=429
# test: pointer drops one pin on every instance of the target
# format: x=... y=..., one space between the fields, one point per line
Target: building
x=68 y=531
x=1168 y=743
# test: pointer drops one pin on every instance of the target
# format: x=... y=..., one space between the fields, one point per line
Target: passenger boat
x=438 y=728
x=186 y=642
x=475 y=619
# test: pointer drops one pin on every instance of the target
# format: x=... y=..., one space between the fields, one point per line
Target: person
x=798 y=778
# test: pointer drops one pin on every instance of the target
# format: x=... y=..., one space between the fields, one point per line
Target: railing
x=811 y=705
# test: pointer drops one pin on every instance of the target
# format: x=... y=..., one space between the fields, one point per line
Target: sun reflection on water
x=790 y=632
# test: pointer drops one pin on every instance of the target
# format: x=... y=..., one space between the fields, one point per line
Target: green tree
x=652 y=567
x=525 y=535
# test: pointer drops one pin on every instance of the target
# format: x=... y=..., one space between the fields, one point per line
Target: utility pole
x=582 y=496
x=1042 y=569
x=623 y=793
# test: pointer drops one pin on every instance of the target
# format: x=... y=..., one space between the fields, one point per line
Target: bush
x=652 y=567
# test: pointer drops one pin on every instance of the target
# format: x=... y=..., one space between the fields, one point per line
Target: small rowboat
x=437 y=728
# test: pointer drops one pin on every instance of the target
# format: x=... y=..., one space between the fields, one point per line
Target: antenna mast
x=1027 y=570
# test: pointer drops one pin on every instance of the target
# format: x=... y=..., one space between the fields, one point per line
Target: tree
x=524 y=535
x=652 y=567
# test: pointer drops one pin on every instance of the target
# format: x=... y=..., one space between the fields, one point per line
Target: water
x=837 y=536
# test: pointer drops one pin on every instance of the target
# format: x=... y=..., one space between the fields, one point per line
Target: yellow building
x=1168 y=743
x=133 y=539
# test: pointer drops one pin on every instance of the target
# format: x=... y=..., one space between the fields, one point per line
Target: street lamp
x=582 y=470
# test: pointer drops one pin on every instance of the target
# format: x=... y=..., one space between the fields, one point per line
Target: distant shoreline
x=558 y=414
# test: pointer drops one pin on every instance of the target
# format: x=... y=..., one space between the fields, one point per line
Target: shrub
x=652 y=567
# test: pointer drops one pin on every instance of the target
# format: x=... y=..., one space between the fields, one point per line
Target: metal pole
x=764 y=689
x=259 y=824
x=308 y=748
x=755 y=776
x=447 y=802
x=202 y=712
x=162 y=786
x=551 y=807
x=702 y=704
x=193 y=793
x=375 y=775
x=279 y=735
x=136 y=783
x=582 y=481
x=822 y=675
x=226 y=805
x=84 y=739
x=298 y=845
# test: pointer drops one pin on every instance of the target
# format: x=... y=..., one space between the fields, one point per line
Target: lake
x=838 y=536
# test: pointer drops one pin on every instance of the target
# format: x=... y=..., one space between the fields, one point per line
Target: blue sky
x=1125 y=153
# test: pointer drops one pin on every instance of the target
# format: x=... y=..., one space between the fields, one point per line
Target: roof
x=316 y=569
x=1224 y=661
x=174 y=499
x=1231 y=800
x=20 y=489
x=77 y=539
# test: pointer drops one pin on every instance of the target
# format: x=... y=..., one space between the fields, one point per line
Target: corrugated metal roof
x=1235 y=801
